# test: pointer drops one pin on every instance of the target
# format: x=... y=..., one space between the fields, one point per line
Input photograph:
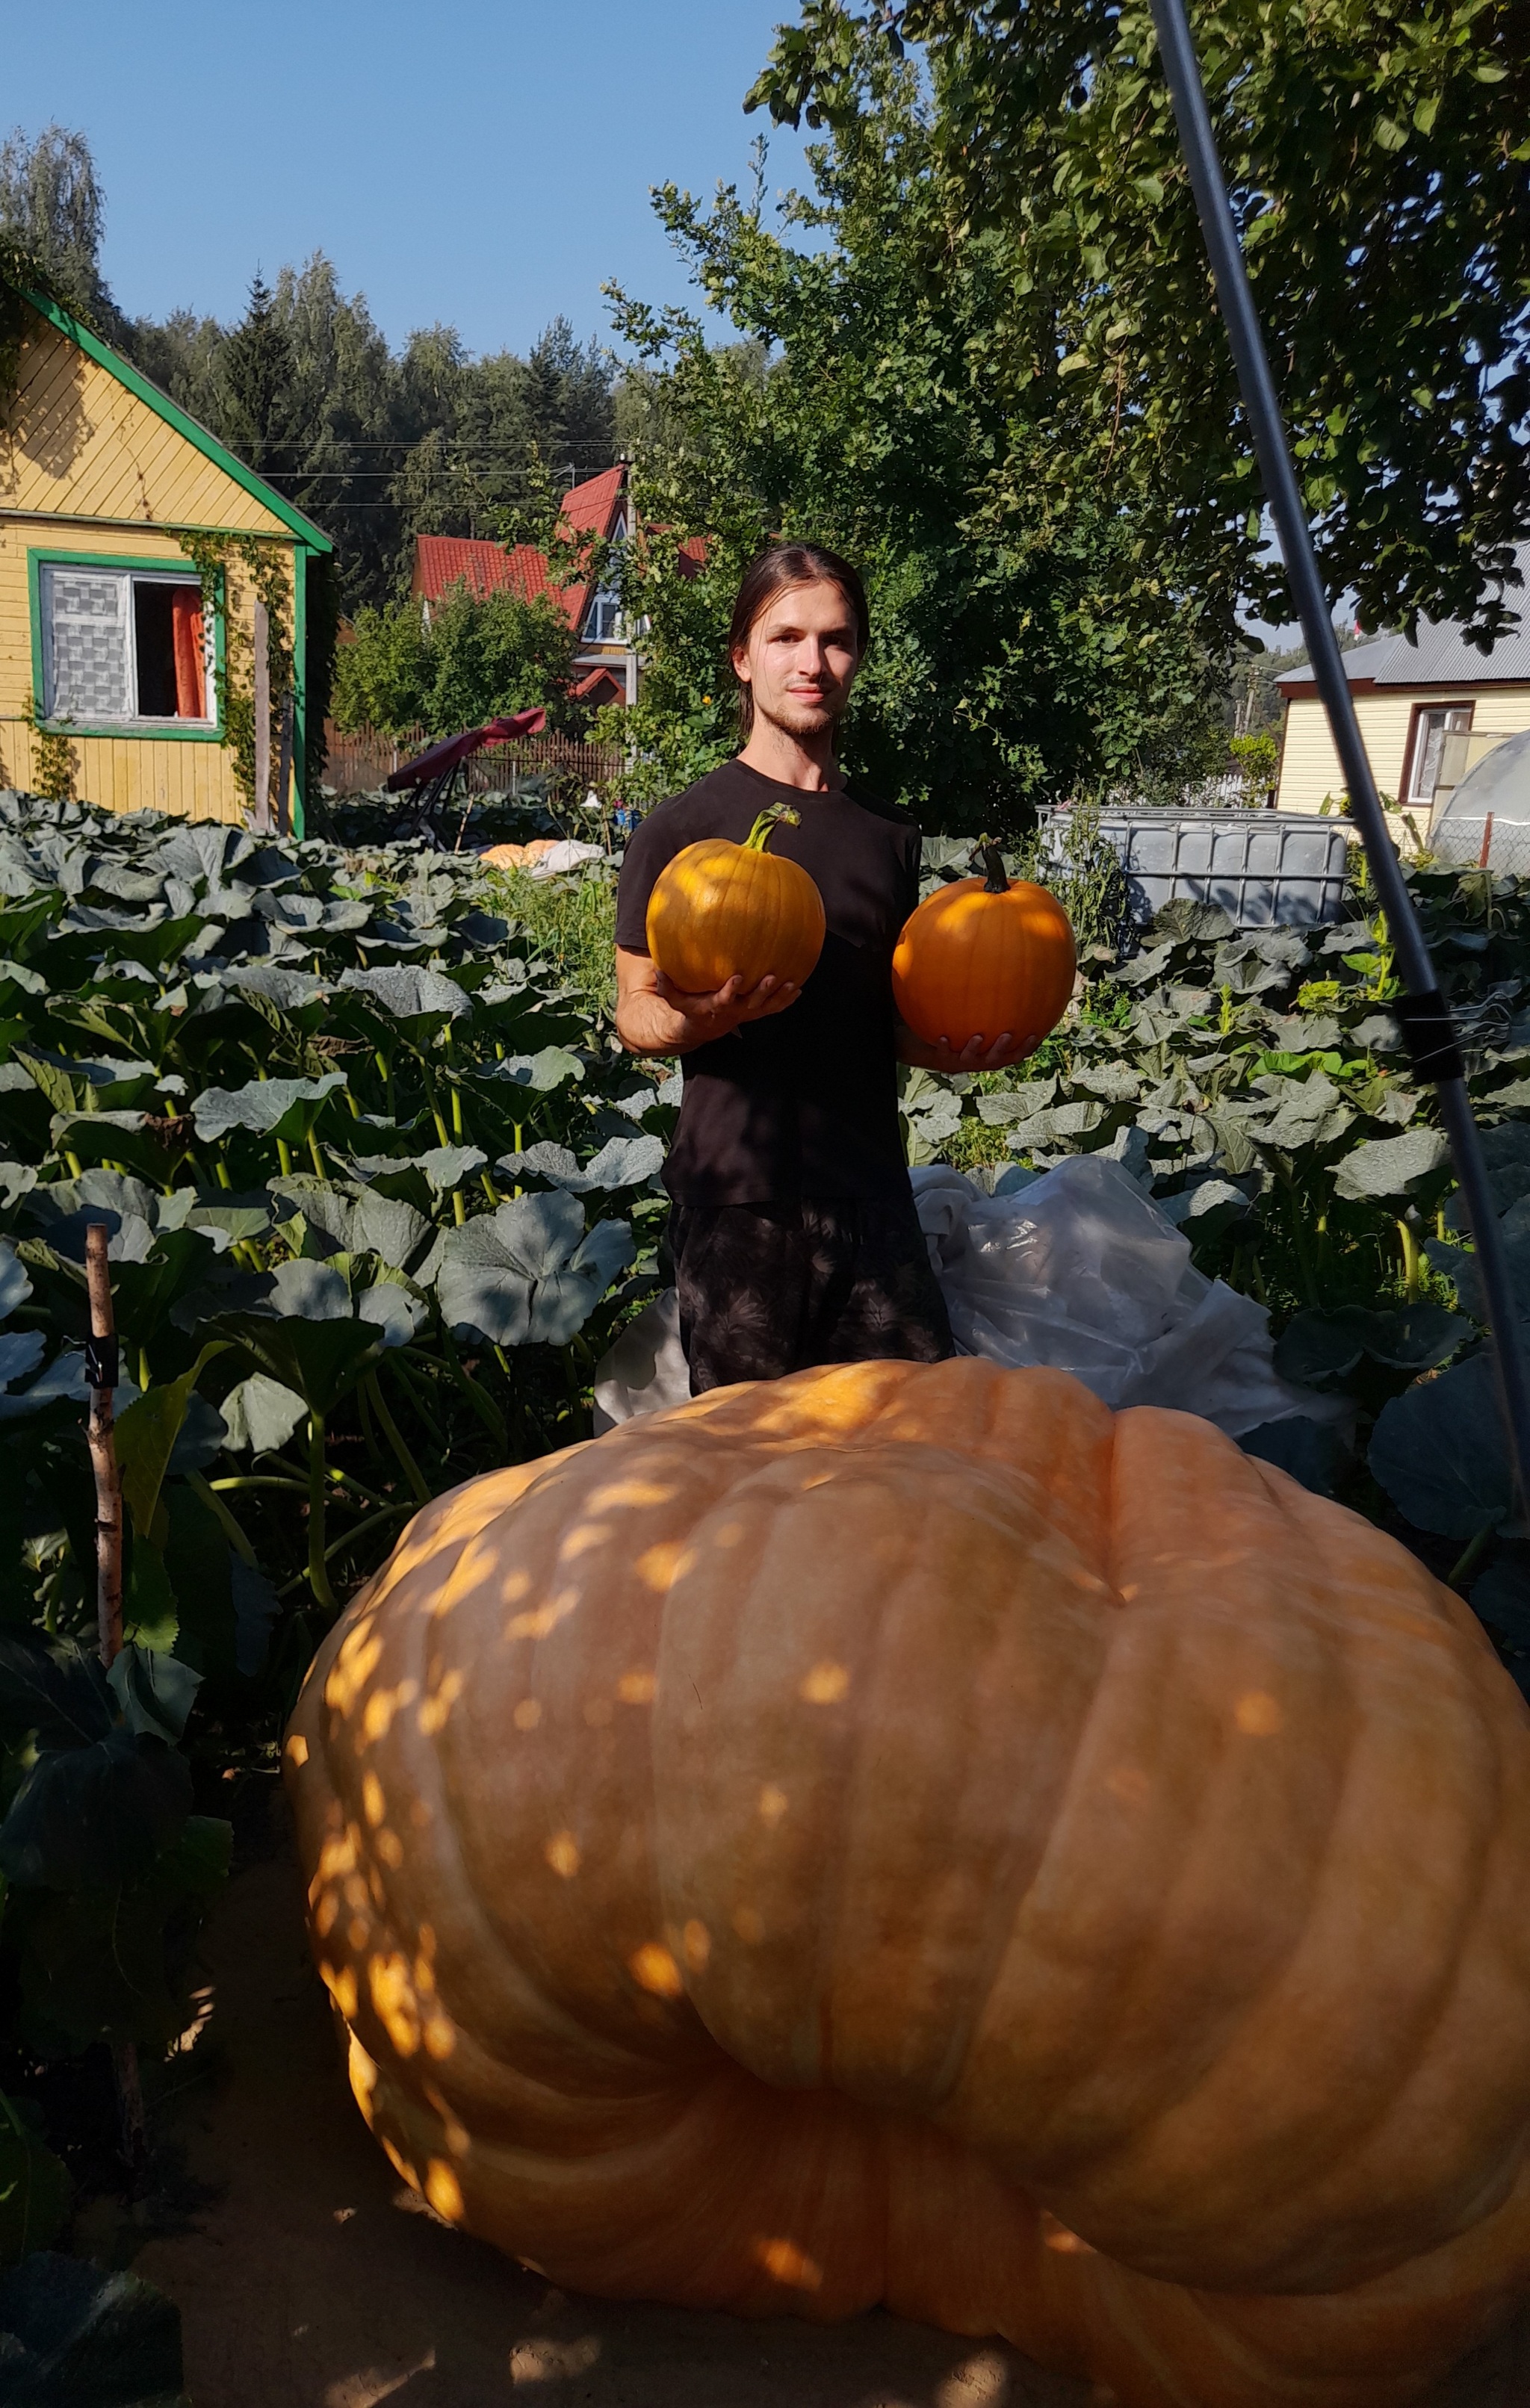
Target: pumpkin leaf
x=1438 y=1452
x=1396 y=1166
x=528 y=1273
x=275 y=1108
x=261 y=1415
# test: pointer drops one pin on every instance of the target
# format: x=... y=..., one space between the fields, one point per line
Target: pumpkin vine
x=235 y=570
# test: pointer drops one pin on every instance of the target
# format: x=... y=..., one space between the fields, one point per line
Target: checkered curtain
x=85 y=638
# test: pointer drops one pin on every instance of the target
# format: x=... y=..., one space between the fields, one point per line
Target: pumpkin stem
x=996 y=881
x=759 y=834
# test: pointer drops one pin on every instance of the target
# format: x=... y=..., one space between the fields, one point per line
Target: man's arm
x=655 y=1017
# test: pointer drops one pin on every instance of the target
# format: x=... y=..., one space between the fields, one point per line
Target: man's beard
x=796 y=716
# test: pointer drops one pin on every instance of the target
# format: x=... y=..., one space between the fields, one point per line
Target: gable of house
x=441 y=561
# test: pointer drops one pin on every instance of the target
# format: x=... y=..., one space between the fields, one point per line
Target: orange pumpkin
x=721 y=910
x=984 y=954
x=907 y=1833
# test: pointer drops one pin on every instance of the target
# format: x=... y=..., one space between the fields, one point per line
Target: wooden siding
x=1309 y=768
x=79 y=444
x=186 y=775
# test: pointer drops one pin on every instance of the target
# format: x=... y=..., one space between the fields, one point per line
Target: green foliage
x=52 y=756
x=1026 y=640
x=476 y=658
x=1378 y=159
x=53 y=213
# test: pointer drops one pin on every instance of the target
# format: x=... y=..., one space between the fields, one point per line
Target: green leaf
x=155 y=1692
x=1438 y=1452
x=1393 y=1166
x=96 y=1816
x=274 y=1107
x=261 y=1415
x=146 y=1436
x=322 y=1360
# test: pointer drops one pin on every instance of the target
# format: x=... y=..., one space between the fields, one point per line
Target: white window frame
x=128 y=577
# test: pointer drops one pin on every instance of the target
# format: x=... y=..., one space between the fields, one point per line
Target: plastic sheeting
x=1077 y=1269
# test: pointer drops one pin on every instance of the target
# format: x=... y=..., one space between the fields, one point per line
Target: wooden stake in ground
x=101 y=1374
x=101 y=1377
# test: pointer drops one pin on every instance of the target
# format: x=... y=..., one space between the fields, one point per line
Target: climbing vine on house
x=237 y=570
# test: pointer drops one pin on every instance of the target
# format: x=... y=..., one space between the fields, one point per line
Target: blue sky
x=482 y=161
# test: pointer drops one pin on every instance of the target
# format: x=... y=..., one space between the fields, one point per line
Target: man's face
x=801 y=657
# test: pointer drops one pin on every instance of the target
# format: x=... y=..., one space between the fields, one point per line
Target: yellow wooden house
x=104 y=641
x=1430 y=707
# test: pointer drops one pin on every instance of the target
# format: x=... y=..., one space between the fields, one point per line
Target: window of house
x=122 y=644
x=1438 y=751
x=604 y=619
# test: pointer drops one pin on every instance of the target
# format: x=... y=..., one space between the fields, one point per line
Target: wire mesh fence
x=1487 y=843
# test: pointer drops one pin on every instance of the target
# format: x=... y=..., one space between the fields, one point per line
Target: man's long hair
x=769 y=573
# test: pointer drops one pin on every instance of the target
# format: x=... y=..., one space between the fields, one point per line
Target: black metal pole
x=1422 y=1012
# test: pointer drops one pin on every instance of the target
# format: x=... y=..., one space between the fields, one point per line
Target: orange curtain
x=191 y=677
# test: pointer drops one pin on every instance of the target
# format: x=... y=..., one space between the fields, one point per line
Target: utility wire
x=1423 y=1012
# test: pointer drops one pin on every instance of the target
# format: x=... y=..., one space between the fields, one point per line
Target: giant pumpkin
x=906 y=1833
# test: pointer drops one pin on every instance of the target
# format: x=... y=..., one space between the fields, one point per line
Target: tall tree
x=52 y=206
x=1025 y=643
x=1378 y=159
x=259 y=404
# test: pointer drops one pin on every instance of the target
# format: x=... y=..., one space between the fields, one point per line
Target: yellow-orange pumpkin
x=984 y=954
x=907 y=1833
x=721 y=910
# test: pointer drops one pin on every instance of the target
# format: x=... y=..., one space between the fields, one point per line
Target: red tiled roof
x=588 y=685
x=441 y=561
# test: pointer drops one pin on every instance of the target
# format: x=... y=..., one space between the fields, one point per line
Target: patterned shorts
x=769 y=1288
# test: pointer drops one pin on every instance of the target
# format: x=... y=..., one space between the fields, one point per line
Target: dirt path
x=315 y=2280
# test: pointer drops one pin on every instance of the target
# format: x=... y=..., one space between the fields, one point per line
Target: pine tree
x=259 y=405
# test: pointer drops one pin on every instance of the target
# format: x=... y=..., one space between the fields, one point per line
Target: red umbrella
x=455 y=749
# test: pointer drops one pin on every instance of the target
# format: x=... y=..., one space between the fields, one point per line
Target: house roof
x=441 y=561
x=135 y=382
x=1438 y=654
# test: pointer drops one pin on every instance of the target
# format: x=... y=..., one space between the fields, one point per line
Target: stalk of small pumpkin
x=984 y=954
x=720 y=911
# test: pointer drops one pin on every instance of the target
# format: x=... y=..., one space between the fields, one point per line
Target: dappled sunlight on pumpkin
x=544 y=1619
x=1057 y=2237
x=362 y=2073
x=1128 y=1782
x=749 y=1925
x=360 y=1653
x=295 y=1750
x=826 y=1685
x=579 y=1541
x=382 y=1705
x=695 y=1946
x=636 y=1688
x=1258 y=1714
x=528 y=1714
x=340 y=1982
x=431 y=1717
x=653 y=1968
x=374 y=1804
x=394 y=2001
x=562 y=1854
x=786 y=2263
x=444 y=2191
x=632 y=1492
x=658 y=1568
x=772 y=1805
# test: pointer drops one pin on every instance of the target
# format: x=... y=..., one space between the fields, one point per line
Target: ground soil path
x=312 y=2279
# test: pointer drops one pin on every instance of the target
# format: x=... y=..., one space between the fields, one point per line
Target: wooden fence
x=358 y=763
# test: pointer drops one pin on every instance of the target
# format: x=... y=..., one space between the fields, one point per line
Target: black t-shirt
x=803 y=1104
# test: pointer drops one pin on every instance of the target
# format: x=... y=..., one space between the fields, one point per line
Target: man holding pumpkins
x=757 y=920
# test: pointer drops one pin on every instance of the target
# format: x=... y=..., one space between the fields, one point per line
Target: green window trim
x=133 y=731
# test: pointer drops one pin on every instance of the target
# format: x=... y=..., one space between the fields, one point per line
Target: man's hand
x=717 y=1015
x=653 y=1017
x=976 y=1054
